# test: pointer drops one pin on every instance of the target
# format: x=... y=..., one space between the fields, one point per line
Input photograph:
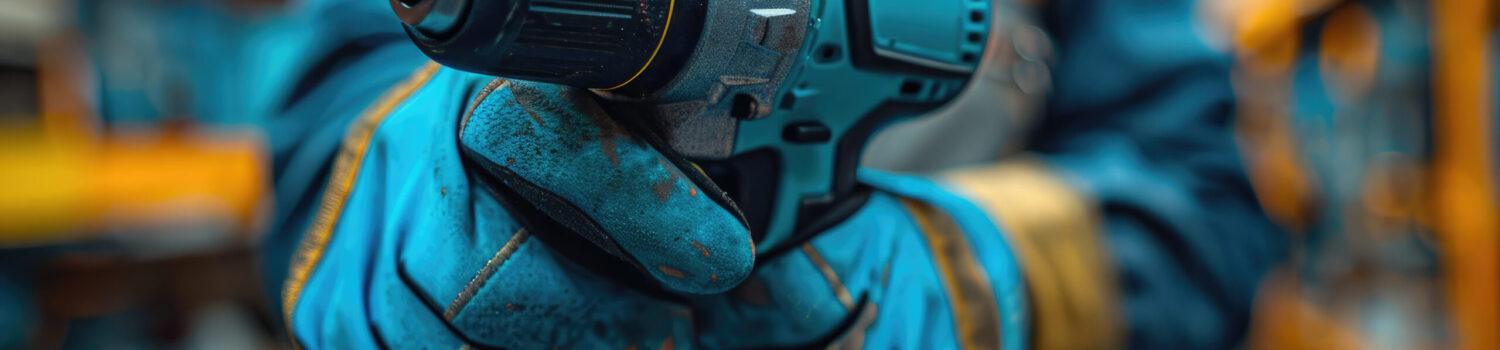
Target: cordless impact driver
x=774 y=99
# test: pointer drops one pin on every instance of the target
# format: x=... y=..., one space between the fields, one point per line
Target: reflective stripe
x=971 y=297
x=833 y=278
x=471 y=289
x=1054 y=231
x=341 y=181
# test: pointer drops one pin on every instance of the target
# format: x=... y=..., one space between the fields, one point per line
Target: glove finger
x=558 y=149
x=529 y=296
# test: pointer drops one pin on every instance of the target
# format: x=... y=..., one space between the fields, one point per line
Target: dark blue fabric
x=1141 y=120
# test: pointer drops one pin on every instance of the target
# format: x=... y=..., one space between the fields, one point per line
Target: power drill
x=775 y=99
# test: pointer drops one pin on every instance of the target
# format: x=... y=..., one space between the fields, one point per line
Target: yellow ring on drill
x=672 y=5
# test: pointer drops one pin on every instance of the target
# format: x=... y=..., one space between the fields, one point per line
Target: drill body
x=773 y=99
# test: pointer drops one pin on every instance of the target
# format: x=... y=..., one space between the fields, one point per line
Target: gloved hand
x=446 y=238
x=452 y=230
x=956 y=279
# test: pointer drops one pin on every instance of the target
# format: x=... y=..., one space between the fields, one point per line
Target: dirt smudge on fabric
x=701 y=248
x=675 y=273
x=754 y=292
x=664 y=187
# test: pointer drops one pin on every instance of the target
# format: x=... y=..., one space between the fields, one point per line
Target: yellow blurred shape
x=67 y=188
x=44 y=181
x=1349 y=52
x=1284 y=320
x=1280 y=180
x=1266 y=35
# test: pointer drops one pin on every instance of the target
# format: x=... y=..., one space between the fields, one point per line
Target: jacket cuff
x=1055 y=231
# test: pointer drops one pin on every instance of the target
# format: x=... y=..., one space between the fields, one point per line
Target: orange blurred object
x=61 y=189
x=1464 y=206
x=1446 y=196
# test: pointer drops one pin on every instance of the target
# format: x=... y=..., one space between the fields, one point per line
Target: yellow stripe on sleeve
x=971 y=296
x=1054 y=231
x=340 y=183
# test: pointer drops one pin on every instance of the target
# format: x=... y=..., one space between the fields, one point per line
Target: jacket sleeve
x=340 y=57
x=1134 y=200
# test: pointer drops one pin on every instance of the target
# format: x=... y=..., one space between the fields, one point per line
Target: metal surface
x=745 y=52
x=432 y=17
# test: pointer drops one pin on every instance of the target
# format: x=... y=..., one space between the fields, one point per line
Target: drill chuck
x=621 y=46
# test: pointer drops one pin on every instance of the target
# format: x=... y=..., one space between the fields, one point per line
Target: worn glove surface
x=442 y=225
x=554 y=146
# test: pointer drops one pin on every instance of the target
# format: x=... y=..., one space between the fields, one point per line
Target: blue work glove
x=496 y=213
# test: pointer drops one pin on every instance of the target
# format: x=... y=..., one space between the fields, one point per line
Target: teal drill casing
x=865 y=65
x=773 y=99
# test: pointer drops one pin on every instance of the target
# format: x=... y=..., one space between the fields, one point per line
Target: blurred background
x=131 y=207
